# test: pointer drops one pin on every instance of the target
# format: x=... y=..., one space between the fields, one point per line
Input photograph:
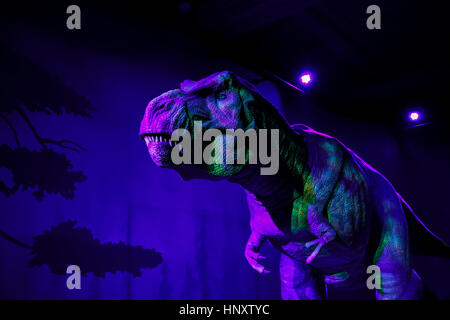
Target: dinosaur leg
x=349 y=284
x=398 y=279
x=298 y=281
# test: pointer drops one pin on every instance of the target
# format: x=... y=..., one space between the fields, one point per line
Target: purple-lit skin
x=321 y=210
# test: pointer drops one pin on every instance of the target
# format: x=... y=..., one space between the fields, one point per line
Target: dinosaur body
x=329 y=213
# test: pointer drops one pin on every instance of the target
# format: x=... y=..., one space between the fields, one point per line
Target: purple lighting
x=305 y=78
x=414 y=116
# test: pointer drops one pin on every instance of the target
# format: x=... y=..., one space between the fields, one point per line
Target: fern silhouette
x=63 y=245
x=27 y=88
x=53 y=176
x=30 y=86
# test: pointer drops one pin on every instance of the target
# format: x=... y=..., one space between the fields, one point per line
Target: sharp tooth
x=146 y=140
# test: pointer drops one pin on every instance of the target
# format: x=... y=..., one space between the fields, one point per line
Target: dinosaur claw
x=252 y=255
x=265 y=271
x=312 y=243
x=313 y=255
x=320 y=242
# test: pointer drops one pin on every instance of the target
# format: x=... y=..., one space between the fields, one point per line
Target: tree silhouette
x=53 y=175
x=27 y=88
x=64 y=245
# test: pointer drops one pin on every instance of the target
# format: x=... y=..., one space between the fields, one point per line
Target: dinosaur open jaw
x=159 y=147
x=158 y=138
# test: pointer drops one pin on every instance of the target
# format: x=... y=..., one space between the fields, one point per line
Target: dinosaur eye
x=221 y=96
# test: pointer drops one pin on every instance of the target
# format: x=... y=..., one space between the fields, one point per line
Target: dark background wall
x=199 y=227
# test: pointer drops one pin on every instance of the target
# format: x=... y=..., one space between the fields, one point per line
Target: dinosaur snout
x=162 y=113
x=162 y=116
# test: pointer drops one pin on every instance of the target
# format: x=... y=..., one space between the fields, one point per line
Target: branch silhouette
x=44 y=141
x=11 y=126
x=50 y=173
x=63 y=245
x=14 y=240
x=29 y=88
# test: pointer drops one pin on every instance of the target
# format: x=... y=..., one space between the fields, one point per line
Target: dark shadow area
x=26 y=87
x=54 y=174
x=64 y=245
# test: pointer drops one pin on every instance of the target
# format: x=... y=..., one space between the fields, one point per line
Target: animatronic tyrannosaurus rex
x=328 y=212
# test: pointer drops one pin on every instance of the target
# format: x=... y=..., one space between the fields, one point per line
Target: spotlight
x=306 y=78
x=414 y=116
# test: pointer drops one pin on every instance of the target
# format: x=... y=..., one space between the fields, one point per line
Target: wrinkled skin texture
x=328 y=212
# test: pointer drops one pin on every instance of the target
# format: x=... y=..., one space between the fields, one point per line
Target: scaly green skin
x=324 y=210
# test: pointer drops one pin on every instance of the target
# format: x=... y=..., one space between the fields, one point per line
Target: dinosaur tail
x=422 y=241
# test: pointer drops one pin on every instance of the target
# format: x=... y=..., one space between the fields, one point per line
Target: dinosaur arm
x=261 y=226
x=254 y=243
x=326 y=162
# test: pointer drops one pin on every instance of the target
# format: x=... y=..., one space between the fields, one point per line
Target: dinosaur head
x=220 y=101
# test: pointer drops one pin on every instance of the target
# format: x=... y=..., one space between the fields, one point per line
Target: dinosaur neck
x=276 y=191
